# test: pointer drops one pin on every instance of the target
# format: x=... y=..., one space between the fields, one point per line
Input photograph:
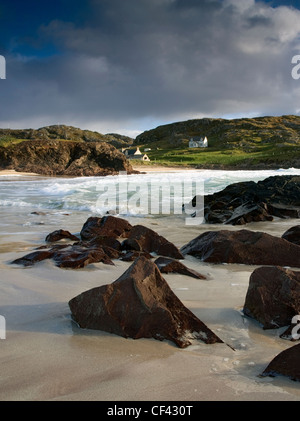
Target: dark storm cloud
x=158 y=59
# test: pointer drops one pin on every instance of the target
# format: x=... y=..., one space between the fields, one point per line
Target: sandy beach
x=47 y=357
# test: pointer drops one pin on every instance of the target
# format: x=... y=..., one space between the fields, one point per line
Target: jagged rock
x=55 y=158
x=273 y=296
x=140 y=304
x=167 y=265
x=244 y=202
x=244 y=247
x=59 y=235
x=152 y=242
x=76 y=257
x=34 y=257
x=286 y=363
x=70 y=256
x=108 y=225
x=292 y=235
x=132 y=255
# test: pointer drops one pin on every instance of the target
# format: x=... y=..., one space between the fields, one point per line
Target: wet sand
x=47 y=357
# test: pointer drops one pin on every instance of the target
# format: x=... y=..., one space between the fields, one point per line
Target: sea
x=147 y=195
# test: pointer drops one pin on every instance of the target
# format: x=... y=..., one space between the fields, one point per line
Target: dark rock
x=244 y=247
x=109 y=225
x=59 y=235
x=292 y=235
x=132 y=255
x=140 y=304
x=34 y=257
x=152 y=242
x=241 y=203
x=273 y=296
x=101 y=241
x=77 y=258
x=249 y=212
x=286 y=363
x=131 y=244
x=167 y=265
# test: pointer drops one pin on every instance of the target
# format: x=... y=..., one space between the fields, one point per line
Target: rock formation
x=273 y=296
x=151 y=242
x=140 y=304
x=241 y=203
x=244 y=247
x=286 y=363
x=167 y=265
x=292 y=235
x=67 y=158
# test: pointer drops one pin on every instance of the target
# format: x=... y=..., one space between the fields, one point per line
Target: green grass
x=256 y=154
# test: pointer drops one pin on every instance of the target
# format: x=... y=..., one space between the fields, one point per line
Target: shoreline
x=143 y=169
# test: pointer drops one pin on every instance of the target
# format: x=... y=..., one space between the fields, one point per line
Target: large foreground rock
x=286 y=363
x=273 y=296
x=140 y=304
x=245 y=247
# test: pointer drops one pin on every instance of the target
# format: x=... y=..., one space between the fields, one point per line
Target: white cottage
x=198 y=142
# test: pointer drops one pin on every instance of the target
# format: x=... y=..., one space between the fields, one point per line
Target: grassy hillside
x=256 y=142
x=61 y=132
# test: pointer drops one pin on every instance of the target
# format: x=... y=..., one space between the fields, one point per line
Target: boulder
x=34 y=257
x=151 y=242
x=59 y=235
x=244 y=247
x=140 y=304
x=273 y=296
x=167 y=265
x=286 y=363
x=292 y=235
x=108 y=225
x=77 y=257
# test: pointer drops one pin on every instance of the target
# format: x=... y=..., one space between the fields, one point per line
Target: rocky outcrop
x=60 y=235
x=67 y=158
x=140 y=304
x=61 y=131
x=106 y=226
x=244 y=247
x=241 y=203
x=286 y=363
x=151 y=242
x=167 y=265
x=100 y=241
x=292 y=235
x=273 y=296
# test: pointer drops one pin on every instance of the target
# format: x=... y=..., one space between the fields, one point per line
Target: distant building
x=198 y=142
x=135 y=154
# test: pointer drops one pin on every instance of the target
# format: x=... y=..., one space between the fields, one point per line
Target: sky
x=126 y=66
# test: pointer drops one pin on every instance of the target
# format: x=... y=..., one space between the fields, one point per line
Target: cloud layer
x=132 y=65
